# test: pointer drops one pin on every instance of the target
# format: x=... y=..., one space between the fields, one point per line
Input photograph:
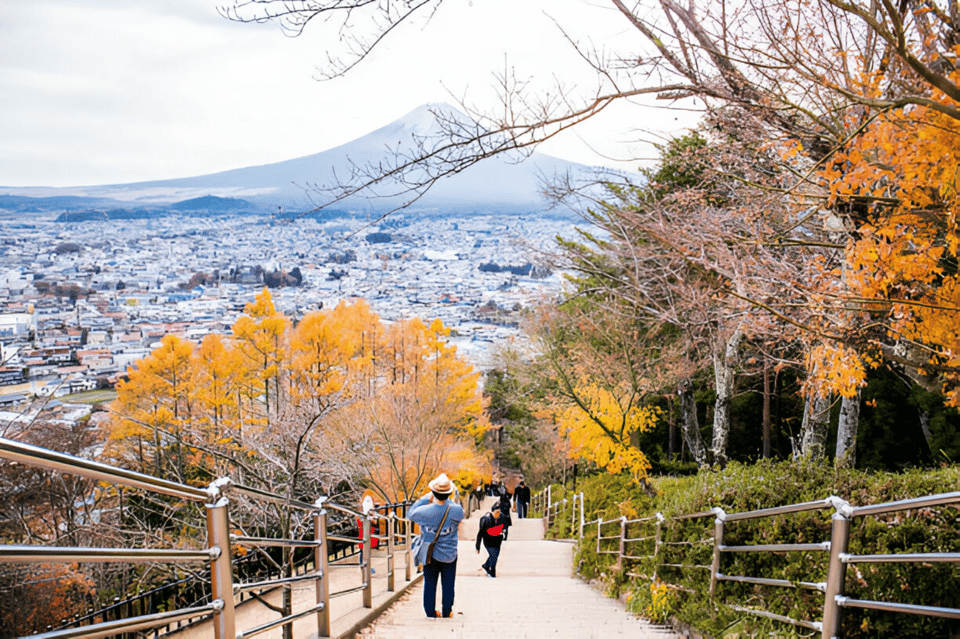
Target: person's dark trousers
x=447 y=574
x=490 y=565
x=522 y=509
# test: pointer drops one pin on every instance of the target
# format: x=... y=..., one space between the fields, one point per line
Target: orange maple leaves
x=904 y=170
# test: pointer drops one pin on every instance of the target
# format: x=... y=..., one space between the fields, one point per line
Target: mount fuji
x=493 y=184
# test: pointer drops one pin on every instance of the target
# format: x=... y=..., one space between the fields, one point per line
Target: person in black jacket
x=492 y=533
x=521 y=499
x=504 y=497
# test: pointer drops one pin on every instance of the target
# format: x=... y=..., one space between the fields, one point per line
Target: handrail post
x=407 y=543
x=622 y=550
x=582 y=515
x=573 y=515
x=366 y=572
x=321 y=563
x=221 y=569
x=836 y=572
x=599 y=526
x=391 y=526
x=717 y=542
x=658 y=539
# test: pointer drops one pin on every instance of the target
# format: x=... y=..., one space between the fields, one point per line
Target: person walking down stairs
x=521 y=499
x=492 y=533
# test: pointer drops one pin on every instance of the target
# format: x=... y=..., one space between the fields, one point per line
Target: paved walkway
x=534 y=595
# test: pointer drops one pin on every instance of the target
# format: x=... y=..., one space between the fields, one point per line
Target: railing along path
x=225 y=592
x=622 y=544
x=629 y=545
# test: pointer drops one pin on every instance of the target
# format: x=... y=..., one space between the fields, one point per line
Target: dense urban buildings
x=81 y=301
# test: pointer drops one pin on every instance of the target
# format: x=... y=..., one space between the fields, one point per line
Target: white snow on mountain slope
x=494 y=183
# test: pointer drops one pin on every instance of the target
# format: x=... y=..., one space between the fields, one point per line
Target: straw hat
x=441 y=485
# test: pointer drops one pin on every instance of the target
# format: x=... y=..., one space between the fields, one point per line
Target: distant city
x=82 y=301
x=92 y=278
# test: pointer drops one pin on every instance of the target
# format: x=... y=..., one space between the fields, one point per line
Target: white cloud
x=110 y=91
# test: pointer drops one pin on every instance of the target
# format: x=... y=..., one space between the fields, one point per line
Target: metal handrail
x=51 y=460
x=905 y=504
x=282 y=621
x=272 y=541
x=145 y=622
x=14 y=553
x=216 y=552
x=778 y=510
x=275 y=499
x=930 y=611
x=839 y=560
x=836 y=547
x=269 y=583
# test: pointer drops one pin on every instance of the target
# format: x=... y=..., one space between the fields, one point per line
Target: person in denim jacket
x=428 y=512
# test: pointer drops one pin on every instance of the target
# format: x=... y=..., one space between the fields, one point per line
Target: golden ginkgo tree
x=295 y=409
x=425 y=416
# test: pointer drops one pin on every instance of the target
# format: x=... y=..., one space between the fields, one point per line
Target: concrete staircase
x=534 y=595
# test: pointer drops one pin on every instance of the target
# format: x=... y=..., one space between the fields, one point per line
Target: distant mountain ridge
x=494 y=184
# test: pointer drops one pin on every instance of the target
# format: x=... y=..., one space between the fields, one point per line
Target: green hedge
x=659 y=591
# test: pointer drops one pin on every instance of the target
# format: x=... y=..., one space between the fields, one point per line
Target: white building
x=17 y=325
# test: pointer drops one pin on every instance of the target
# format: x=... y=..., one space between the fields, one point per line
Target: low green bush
x=675 y=583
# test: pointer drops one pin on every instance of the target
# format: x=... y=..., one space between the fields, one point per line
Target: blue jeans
x=522 y=509
x=447 y=575
x=493 y=553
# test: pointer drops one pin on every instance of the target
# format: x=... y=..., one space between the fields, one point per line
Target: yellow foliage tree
x=426 y=414
x=601 y=423
x=900 y=176
x=261 y=336
x=154 y=403
x=341 y=395
x=218 y=369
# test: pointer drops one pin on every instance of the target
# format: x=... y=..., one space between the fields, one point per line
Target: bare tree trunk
x=846 y=454
x=691 y=427
x=925 y=427
x=672 y=433
x=766 y=407
x=813 y=432
x=724 y=375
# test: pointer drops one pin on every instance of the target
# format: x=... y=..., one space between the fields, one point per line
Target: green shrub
x=677 y=581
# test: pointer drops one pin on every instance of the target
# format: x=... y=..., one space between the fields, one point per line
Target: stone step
x=533 y=596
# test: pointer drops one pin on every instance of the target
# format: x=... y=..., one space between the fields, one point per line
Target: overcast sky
x=115 y=91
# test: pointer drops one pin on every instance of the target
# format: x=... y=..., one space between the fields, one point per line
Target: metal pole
x=622 y=550
x=221 y=569
x=367 y=581
x=656 y=543
x=836 y=575
x=391 y=526
x=407 y=539
x=582 y=514
x=321 y=563
x=717 y=542
x=573 y=515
